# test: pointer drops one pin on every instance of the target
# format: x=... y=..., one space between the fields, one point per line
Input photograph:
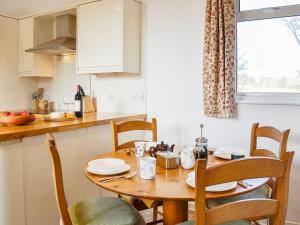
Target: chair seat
x=258 y=193
x=103 y=211
x=237 y=222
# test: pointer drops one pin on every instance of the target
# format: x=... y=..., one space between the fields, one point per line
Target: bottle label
x=77 y=106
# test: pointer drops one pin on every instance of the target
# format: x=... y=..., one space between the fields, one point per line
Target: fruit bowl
x=16 y=118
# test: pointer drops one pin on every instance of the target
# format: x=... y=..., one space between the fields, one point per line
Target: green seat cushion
x=103 y=211
x=236 y=222
x=258 y=193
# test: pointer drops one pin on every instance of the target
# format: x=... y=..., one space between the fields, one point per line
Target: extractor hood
x=65 y=41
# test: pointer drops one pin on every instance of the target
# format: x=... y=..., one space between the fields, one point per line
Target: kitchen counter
x=26 y=177
x=43 y=127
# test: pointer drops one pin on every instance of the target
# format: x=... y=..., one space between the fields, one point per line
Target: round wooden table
x=169 y=186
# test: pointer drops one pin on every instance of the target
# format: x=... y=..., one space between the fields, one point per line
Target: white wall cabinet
x=109 y=37
x=32 y=32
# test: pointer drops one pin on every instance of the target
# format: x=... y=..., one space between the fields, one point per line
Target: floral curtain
x=219 y=57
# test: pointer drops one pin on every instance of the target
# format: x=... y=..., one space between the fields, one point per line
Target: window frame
x=264 y=98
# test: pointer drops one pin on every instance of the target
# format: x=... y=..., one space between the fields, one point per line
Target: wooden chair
x=136 y=125
x=131 y=126
x=259 y=132
x=106 y=210
x=238 y=211
x=271 y=133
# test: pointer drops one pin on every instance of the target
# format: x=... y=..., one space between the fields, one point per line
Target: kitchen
x=158 y=77
x=57 y=75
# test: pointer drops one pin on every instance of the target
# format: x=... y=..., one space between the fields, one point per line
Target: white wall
x=174 y=88
x=15 y=92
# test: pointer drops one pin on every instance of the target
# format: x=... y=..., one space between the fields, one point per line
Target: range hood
x=65 y=41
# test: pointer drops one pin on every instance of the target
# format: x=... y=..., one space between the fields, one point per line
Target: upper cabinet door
x=25 y=42
x=31 y=32
x=103 y=29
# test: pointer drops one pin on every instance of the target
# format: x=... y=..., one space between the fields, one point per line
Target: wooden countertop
x=43 y=127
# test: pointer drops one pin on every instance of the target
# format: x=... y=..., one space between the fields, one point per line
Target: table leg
x=175 y=212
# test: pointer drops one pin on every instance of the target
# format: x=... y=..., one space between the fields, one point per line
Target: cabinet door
x=100 y=37
x=25 y=42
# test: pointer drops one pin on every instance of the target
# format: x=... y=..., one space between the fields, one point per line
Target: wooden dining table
x=169 y=186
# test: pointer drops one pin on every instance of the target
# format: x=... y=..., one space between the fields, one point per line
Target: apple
x=6 y=114
x=24 y=113
x=13 y=114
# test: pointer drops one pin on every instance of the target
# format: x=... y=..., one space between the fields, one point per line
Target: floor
x=147 y=214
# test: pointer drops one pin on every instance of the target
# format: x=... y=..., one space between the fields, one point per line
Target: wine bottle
x=78 y=103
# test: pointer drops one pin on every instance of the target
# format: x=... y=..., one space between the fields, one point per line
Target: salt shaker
x=201 y=146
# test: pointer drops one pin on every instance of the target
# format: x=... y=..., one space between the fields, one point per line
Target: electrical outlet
x=109 y=98
x=138 y=98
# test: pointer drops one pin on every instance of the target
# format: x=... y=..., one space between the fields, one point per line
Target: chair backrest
x=132 y=126
x=272 y=133
x=256 y=167
x=58 y=181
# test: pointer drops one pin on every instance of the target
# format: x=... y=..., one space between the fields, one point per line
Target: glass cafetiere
x=200 y=150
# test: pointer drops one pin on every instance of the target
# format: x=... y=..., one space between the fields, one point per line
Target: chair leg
x=154 y=222
x=155 y=208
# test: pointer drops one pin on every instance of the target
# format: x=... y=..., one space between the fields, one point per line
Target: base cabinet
x=26 y=186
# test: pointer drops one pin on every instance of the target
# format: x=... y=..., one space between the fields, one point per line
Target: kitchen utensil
x=88 y=104
x=167 y=160
x=125 y=176
x=162 y=147
x=247 y=183
x=187 y=158
x=147 y=167
x=43 y=105
x=34 y=96
x=40 y=92
x=35 y=104
x=200 y=150
x=242 y=184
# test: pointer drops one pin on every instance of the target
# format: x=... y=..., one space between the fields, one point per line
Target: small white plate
x=122 y=169
x=106 y=164
x=225 y=152
x=214 y=188
x=222 y=155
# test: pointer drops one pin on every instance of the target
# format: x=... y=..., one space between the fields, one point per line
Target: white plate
x=225 y=152
x=222 y=155
x=122 y=169
x=106 y=164
x=214 y=188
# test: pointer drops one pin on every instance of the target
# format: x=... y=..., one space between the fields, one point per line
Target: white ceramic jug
x=187 y=158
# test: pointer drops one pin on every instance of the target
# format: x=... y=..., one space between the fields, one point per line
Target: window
x=259 y=4
x=268 y=51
